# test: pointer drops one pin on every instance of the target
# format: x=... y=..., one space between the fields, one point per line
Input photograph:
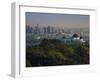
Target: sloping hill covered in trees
x=52 y=52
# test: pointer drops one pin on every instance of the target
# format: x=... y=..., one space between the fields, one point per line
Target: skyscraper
x=48 y=29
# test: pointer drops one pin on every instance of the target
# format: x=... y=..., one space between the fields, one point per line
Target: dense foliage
x=52 y=52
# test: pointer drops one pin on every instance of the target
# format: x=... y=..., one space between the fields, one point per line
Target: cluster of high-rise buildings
x=39 y=30
x=34 y=34
x=51 y=29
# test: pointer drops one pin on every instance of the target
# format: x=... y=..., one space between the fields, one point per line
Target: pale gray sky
x=57 y=20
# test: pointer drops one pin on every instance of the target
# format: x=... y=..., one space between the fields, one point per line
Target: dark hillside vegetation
x=52 y=52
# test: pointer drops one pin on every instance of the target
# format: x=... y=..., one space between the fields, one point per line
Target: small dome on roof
x=75 y=35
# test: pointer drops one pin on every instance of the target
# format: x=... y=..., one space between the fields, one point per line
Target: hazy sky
x=57 y=20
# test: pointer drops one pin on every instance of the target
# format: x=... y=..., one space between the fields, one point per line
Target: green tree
x=56 y=56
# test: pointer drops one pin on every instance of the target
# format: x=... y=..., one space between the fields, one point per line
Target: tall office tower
x=37 y=30
x=28 y=29
x=52 y=29
x=45 y=30
x=48 y=29
x=31 y=29
x=42 y=30
x=55 y=30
